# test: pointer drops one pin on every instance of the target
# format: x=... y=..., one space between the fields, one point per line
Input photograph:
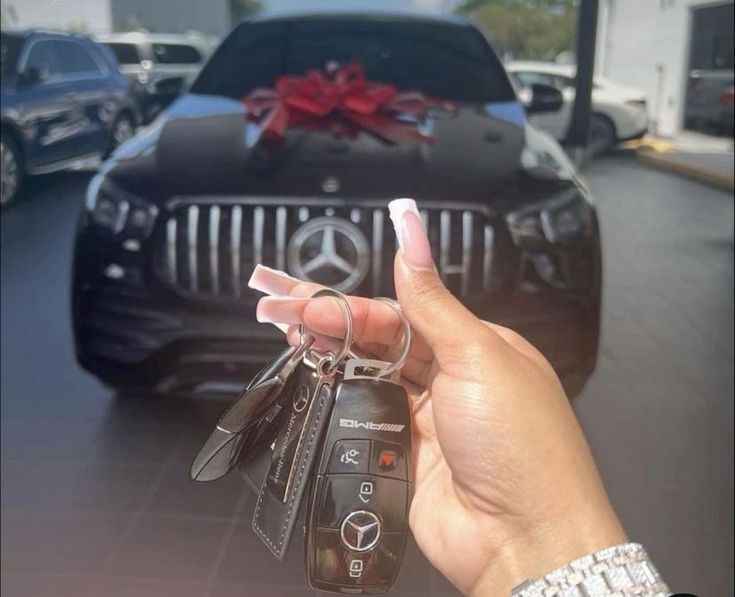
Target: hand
x=506 y=488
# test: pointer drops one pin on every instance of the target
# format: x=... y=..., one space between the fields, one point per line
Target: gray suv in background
x=64 y=105
x=159 y=66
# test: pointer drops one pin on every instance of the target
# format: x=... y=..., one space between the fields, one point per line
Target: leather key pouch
x=302 y=423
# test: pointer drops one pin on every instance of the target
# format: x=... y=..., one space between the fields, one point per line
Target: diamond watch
x=617 y=571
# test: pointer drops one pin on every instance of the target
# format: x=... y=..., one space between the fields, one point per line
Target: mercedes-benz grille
x=209 y=246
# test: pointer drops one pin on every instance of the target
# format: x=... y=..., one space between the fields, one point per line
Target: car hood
x=205 y=145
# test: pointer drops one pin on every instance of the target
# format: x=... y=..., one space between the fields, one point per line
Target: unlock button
x=350 y=456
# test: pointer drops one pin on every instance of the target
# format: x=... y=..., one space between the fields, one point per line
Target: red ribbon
x=311 y=100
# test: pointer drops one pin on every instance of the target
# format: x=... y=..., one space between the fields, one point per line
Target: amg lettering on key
x=353 y=424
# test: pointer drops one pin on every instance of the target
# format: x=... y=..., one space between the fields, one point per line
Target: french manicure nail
x=412 y=239
x=278 y=309
x=271 y=281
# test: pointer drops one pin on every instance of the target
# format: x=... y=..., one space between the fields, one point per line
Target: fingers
x=416 y=370
x=373 y=321
x=444 y=323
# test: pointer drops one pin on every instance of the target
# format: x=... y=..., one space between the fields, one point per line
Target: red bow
x=307 y=101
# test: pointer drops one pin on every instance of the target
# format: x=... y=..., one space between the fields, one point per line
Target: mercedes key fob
x=358 y=515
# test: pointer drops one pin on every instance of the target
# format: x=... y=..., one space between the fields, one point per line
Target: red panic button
x=387 y=460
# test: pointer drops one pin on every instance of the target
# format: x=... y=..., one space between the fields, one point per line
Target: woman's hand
x=505 y=486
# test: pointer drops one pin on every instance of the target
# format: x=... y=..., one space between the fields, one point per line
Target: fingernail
x=271 y=281
x=278 y=309
x=412 y=239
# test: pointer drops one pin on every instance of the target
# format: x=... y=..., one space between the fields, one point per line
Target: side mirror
x=543 y=98
x=32 y=75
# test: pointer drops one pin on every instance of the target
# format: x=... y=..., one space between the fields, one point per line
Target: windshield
x=438 y=59
x=10 y=46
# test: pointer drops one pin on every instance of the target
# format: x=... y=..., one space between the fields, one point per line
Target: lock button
x=387 y=498
x=350 y=456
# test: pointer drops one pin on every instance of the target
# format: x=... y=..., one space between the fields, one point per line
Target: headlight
x=117 y=212
x=561 y=219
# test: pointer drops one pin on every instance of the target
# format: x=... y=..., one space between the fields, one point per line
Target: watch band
x=617 y=571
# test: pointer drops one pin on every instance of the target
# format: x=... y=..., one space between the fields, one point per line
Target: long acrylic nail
x=412 y=239
x=271 y=281
x=279 y=309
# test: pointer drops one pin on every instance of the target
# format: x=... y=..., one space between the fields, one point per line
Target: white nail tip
x=270 y=281
x=396 y=209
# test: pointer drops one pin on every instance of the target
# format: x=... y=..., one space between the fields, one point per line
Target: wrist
x=532 y=554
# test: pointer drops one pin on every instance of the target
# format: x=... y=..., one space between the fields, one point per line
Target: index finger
x=373 y=321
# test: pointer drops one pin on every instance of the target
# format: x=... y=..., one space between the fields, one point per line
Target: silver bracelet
x=617 y=571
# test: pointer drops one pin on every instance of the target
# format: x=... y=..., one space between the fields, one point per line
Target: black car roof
x=353 y=14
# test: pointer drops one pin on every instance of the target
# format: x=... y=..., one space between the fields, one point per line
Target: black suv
x=176 y=220
x=64 y=105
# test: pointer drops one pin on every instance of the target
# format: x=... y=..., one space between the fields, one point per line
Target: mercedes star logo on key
x=329 y=251
x=360 y=530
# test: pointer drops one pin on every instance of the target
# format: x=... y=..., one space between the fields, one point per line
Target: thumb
x=434 y=313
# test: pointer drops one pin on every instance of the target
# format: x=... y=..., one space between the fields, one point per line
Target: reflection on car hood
x=204 y=144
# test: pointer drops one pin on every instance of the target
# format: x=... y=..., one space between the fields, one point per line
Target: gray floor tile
x=169 y=547
x=178 y=494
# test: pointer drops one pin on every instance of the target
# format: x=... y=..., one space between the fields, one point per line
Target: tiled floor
x=95 y=496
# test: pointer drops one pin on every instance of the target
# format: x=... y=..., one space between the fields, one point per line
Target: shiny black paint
x=141 y=332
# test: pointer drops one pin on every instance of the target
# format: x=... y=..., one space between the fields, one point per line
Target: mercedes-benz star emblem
x=329 y=251
x=301 y=398
x=360 y=531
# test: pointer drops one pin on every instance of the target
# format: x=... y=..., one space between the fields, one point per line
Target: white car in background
x=619 y=113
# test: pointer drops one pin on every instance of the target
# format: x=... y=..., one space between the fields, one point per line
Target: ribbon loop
x=339 y=95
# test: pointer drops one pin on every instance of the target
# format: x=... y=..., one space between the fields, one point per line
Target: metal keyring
x=347 y=313
x=407 y=337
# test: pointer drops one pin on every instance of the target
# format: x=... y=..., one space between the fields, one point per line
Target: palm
x=442 y=518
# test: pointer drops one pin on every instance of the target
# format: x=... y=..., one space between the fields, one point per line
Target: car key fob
x=246 y=420
x=358 y=516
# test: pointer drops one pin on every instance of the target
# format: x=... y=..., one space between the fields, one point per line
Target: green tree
x=525 y=29
x=240 y=9
x=77 y=27
x=134 y=23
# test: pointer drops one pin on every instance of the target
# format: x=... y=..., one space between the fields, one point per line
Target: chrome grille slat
x=235 y=234
x=258 y=224
x=377 y=250
x=487 y=256
x=467 y=225
x=214 y=224
x=209 y=260
x=191 y=242
x=445 y=239
x=281 y=215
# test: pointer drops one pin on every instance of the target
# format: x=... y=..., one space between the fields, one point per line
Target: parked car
x=64 y=104
x=709 y=101
x=159 y=66
x=619 y=113
x=179 y=216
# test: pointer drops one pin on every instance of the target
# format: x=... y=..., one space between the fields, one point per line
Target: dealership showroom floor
x=96 y=499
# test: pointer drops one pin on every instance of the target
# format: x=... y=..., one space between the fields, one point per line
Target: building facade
x=210 y=17
x=654 y=44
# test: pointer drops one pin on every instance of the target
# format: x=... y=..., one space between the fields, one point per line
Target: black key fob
x=247 y=422
x=358 y=516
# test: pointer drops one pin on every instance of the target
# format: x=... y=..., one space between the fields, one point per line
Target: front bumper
x=130 y=339
x=135 y=329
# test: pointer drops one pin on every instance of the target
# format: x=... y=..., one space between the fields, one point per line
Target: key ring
x=407 y=338
x=347 y=341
